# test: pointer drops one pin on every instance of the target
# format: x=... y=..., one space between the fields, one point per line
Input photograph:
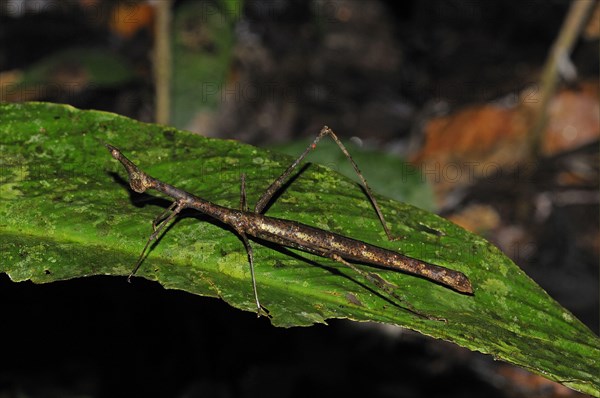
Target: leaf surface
x=67 y=212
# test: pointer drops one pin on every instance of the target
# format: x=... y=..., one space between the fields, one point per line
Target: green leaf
x=387 y=174
x=67 y=212
x=203 y=38
x=94 y=66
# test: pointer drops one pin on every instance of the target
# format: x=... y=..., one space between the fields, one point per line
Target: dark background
x=374 y=71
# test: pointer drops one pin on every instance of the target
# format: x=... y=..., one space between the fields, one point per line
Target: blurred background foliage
x=451 y=87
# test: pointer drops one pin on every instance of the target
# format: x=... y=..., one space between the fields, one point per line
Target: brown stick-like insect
x=291 y=233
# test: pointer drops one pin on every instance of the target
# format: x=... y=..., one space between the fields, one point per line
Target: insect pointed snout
x=114 y=152
x=138 y=180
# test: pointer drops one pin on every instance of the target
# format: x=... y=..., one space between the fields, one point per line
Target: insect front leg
x=158 y=225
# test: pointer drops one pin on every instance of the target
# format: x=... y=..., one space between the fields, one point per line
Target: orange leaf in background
x=479 y=140
x=472 y=143
x=10 y=92
x=127 y=18
x=592 y=29
x=527 y=384
x=574 y=119
x=477 y=218
x=472 y=133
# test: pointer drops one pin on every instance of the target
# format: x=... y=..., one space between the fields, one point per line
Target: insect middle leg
x=243 y=202
x=278 y=183
x=244 y=207
x=259 y=308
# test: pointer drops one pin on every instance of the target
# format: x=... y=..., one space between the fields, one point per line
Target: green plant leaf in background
x=74 y=70
x=387 y=174
x=67 y=212
x=203 y=38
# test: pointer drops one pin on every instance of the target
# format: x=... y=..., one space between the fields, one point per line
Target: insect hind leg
x=279 y=181
x=384 y=285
